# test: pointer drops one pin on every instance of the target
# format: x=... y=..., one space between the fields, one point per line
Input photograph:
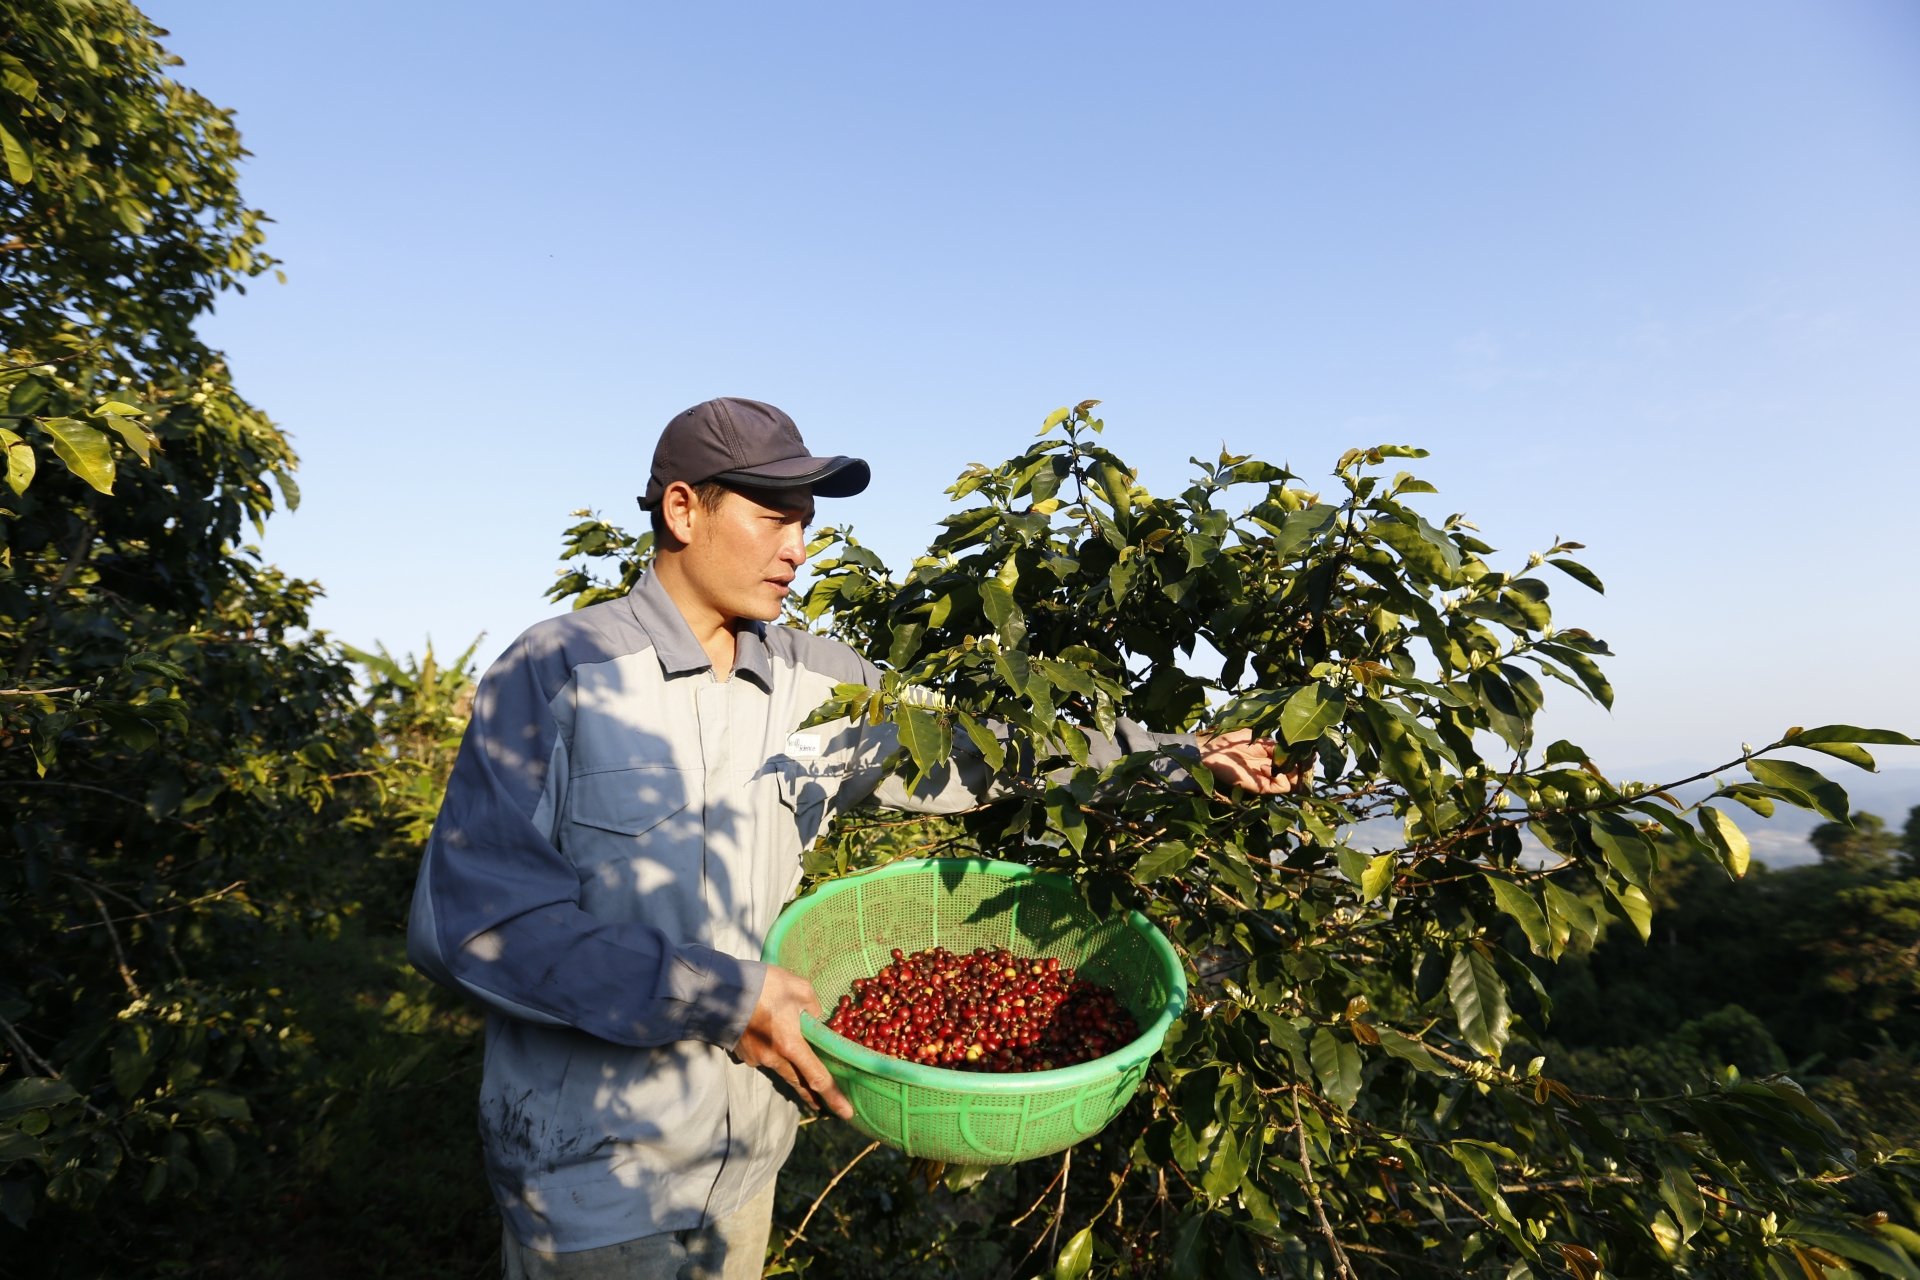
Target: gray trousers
x=729 y=1248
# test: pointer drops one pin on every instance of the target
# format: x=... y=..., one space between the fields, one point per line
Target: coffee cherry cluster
x=987 y=1011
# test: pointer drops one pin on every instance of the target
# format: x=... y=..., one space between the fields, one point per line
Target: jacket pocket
x=807 y=790
x=628 y=801
x=635 y=839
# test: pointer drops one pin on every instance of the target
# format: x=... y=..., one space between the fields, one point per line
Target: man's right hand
x=772 y=1040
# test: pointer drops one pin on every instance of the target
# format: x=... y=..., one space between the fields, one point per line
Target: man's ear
x=678 y=506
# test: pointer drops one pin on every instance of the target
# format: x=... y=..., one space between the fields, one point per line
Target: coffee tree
x=1353 y=1090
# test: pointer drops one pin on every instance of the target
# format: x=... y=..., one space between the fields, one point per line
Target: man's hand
x=772 y=1040
x=1236 y=759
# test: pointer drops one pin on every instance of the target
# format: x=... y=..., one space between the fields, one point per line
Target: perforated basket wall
x=848 y=929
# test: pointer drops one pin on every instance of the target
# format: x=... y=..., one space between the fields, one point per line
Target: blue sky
x=1643 y=275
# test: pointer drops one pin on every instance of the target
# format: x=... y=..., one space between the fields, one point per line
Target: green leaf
x=1409 y=1050
x=1625 y=848
x=1310 y=712
x=1076 y=1258
x=1378 y=876
x=1585 y=668
x=158 y=666
x=84 y=449
x=1336 y=1064
x=1846 y=751
x=1682 y=1195
x=19 y=80
x=1423 y=548
x=1860 y=1248
x=1162 y=860
x=1190 y=1249
x=1302 y=527
x=1824 y=797
x=992 y=750
x=1757 y=798
x=1398 y=750
x=1666 y=1234
x=1848 y=733
x=1519 y=904
x=1568 y=916
x=15 y=1145
x=1228 y=1166
x=35 y=1092
x=1283 y=1035
x=19 y=159
x=1727 y=839
x=996 y=600
x=133 y=1059
x=1578 y=572
x=1069 y=818
x=1505 y=715
x=925 y=738
x=960 y=1178
x=906 y=643
x=1480 y=1171
x=1064 y=675
x=1635 y=906
x=1479 y=1001
x=1352 y=862
x=20 y=461
x=218 y=1104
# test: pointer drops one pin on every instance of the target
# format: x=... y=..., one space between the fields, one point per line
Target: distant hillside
x=1779 y=841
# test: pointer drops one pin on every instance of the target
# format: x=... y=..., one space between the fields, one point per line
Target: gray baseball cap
x=746 y=442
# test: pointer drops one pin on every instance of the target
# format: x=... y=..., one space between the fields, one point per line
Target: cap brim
x=837 y=477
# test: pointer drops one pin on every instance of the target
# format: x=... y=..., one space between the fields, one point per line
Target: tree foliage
x=1355 y=1089
x=181 y=759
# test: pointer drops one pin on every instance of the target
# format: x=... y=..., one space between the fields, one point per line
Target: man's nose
x=794 y=550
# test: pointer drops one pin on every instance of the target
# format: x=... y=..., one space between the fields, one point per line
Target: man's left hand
x=1239 y=760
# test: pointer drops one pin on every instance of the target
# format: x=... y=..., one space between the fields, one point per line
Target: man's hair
x=708 y=493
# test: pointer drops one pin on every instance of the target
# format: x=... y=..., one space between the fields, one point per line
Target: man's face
x=742 y=556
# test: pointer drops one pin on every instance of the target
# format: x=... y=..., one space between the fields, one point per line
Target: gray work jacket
x=619 y=832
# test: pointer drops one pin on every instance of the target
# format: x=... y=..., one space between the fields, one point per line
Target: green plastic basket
x=848 y=928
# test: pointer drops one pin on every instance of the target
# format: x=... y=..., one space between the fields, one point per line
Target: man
x=624 y=821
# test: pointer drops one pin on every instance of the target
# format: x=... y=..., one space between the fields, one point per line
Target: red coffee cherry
x=987 y=1011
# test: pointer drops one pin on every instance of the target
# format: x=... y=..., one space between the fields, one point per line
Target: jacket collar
x=680 y=654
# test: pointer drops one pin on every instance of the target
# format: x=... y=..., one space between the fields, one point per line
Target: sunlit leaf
x=1822 y=796
x=1378 y=876
x=19 y=159
x=1848 y=733
x=1162 y=860
x=1635 y=905
x=83 y=448
x=1310 y=712
x=1727 y=839
x=20 y=461
x=1846 y=751
x=1076 y=1256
